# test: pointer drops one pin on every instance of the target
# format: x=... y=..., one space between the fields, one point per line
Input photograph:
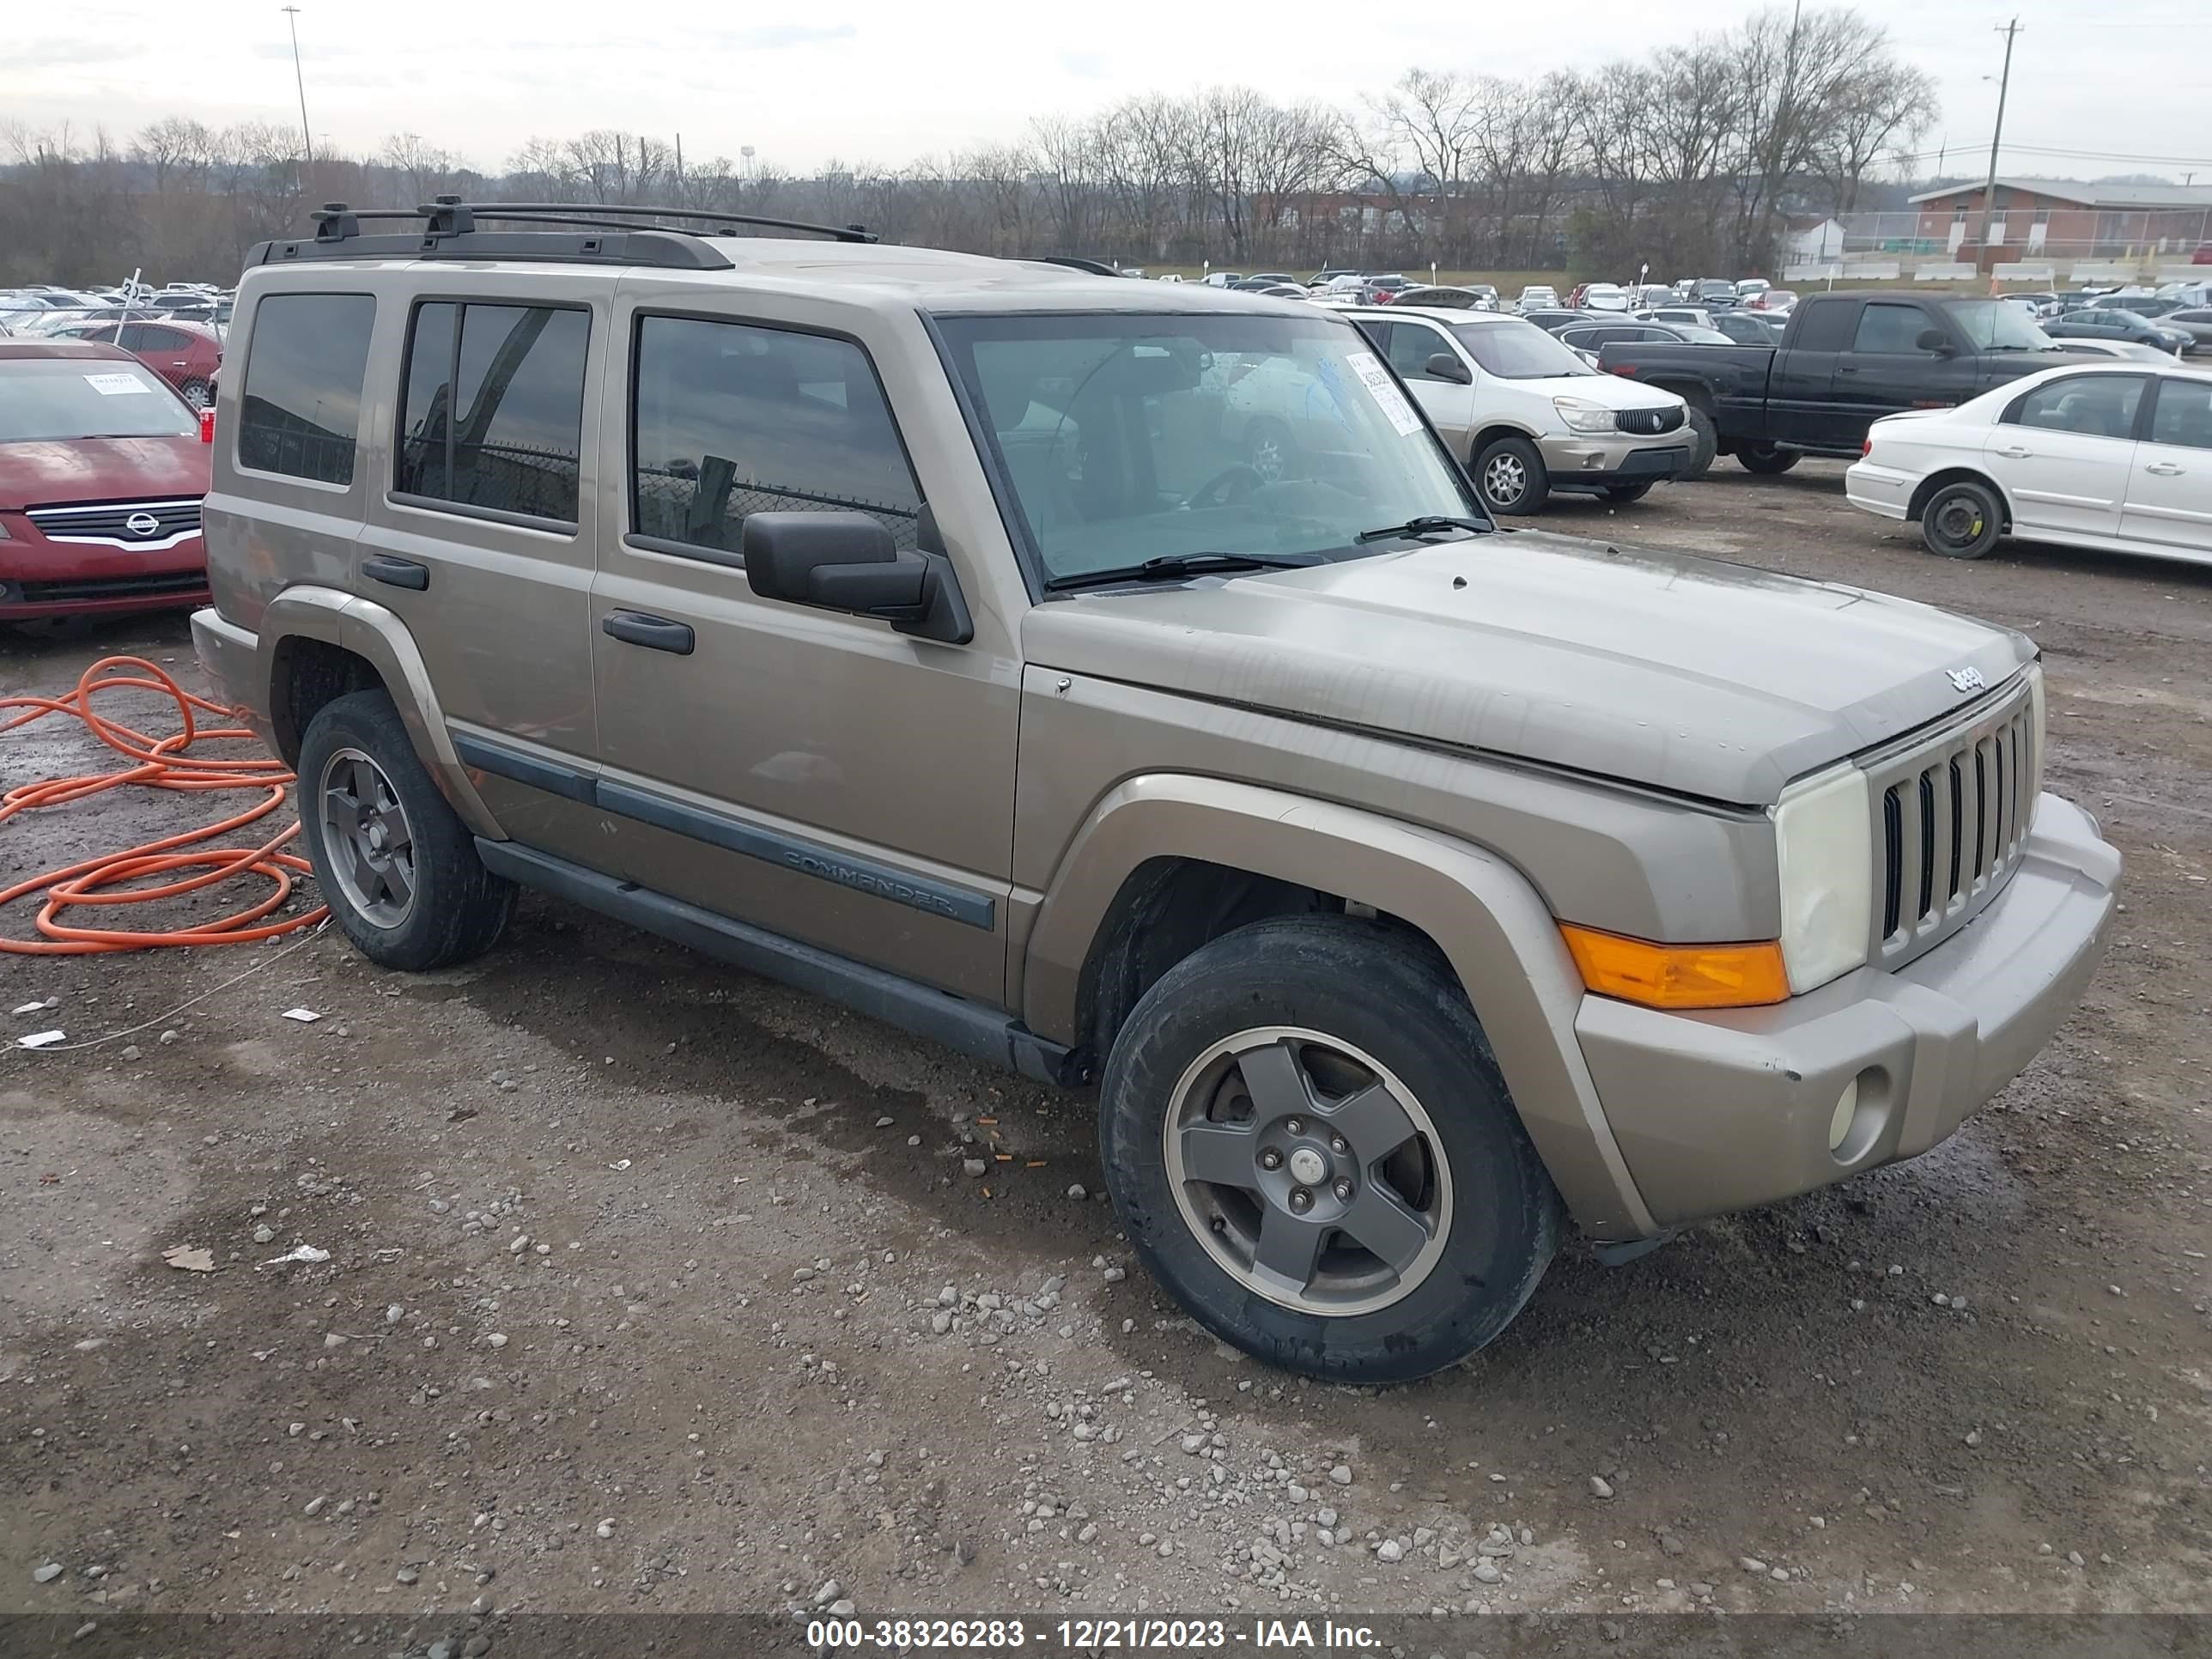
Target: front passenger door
x=2169 y=494
x=1448 y=404
x=809 y=772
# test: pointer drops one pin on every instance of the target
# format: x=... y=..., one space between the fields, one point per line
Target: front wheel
x=1311 y=1148
x=1962 y=521
x=1623 y=495
x=1510 y=477
x=1704 y=442
x=1767 y=460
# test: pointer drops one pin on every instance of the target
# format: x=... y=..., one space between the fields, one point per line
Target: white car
x=2116 y=457
x=1751 y=285
x=1525 y=415
x=2133 y=350
x=1604 y=297
x=1537 y=298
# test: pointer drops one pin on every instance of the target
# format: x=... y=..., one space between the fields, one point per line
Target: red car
x=102 y=468
x=186 y=354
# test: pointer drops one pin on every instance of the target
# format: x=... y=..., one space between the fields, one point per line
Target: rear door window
x=306 y=361
x=2093 y=405
x=492 y=410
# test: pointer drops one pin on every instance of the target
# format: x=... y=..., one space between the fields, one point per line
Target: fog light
x=1840 y=1122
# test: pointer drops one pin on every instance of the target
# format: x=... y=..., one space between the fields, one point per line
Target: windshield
x=1995 y=325
x=1127 y=438
x=1513 y=350
x=1717 y=290
x=48 y=397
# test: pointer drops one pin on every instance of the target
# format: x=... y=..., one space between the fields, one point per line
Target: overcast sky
x=885 y=81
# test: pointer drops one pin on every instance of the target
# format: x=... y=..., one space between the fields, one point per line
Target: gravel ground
x=652 y=1286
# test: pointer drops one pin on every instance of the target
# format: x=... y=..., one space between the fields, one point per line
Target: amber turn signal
x=1679 y=975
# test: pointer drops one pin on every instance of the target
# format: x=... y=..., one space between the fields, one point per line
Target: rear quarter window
x=306 y=361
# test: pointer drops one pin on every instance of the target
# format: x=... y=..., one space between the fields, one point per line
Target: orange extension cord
x=157 y=765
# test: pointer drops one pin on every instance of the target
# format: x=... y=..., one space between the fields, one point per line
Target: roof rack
x=449 y=229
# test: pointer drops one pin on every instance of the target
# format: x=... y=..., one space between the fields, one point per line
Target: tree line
x=1687 y=157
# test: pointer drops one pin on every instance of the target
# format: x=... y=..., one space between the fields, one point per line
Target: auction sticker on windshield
x=1381 y=387
x=118 y=386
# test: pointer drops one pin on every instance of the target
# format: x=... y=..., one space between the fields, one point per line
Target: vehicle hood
x=1683 y=674
x=101 y=470
x=1608 y=391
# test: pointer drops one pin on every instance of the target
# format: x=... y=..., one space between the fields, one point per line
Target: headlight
x=1824 y=845
x=1583 y=416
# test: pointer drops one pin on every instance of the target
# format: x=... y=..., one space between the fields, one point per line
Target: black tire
x=458 y=908
x=1625 y=494
x=1269 y=450
x=1376 y=987
x=1704 y=442
x=1767 y=460
x=198 y=393
x=1963 y=519
x=1515 y=459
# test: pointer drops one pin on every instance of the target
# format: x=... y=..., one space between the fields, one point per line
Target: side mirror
x=1445 y=367
x=1935 y=340
x=848 y=562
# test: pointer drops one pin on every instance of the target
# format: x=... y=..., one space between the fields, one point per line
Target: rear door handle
x=1846 y=369
x=396 y=573
x=2015 y=454
x=653 y=633
x=2166 y=469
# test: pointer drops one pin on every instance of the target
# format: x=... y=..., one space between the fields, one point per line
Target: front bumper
x=1725 y=1111
x=1600 y=459
x=1881 y=490
x=39 y=577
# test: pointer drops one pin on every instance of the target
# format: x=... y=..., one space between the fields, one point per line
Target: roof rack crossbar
x=449 y=215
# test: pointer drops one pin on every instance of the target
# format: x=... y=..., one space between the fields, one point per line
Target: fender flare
x=377 y=636
x=1492 y=925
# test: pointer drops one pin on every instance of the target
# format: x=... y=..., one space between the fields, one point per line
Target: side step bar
x=969 y=1028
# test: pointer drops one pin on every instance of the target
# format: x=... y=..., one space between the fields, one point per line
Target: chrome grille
x=1648 y=423
x=120 y=524
x=1953 y=811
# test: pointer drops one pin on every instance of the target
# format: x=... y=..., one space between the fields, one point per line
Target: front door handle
x=396 y=573
x=1846 y=369
x=2166 y=469
x=2015 y=454
x=653 y=633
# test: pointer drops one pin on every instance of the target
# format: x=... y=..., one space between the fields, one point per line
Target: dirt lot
x=654 y=1286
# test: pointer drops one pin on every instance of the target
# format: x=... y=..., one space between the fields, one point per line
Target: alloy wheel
x=371 y=845
x=1309 y=1173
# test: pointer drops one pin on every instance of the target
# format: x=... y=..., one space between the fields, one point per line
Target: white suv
x=1525 y=414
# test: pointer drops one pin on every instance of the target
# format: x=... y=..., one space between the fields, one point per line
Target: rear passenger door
x=475 y=535
x=808 y=772
x=1803 y=405
x=2063 y=451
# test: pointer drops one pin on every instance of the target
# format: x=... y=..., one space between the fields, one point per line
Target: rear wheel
x=1962 y=521
x=397 y=867
x=1705 y=443
x=1510 y=477
x=198 y=393
x=1312 y=1150
x=1767 y=460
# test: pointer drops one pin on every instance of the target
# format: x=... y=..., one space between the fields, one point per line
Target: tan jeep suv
x=915 y=628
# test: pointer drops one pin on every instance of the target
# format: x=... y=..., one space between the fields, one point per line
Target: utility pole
x=292 y=18
x=1997 y=137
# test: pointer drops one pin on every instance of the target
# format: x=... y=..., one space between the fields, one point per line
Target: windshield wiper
x=1428 y=524
x=1174 y=567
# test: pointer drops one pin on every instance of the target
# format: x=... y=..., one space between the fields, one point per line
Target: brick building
x=2040 y=218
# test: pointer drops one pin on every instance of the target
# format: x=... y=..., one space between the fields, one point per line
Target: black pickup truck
x=1845 y=361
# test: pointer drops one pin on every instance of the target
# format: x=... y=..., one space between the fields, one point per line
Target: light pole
x=1997 y=137
x=292 y=19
